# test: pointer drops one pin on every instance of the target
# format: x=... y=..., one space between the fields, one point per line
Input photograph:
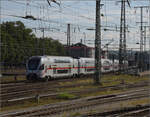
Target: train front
x=34 y=68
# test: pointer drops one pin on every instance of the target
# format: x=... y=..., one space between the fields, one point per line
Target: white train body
x=106 y=65
x=86 y=66
x=115 y=65
x=45 y=67
x=51 y=67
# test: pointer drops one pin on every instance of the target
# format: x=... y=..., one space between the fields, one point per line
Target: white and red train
x=47 y=67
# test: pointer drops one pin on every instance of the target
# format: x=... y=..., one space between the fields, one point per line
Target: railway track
x=143 y=112
x=140 y=111
x=52 y=81
x=31 y=87
x=9 y=98
x=17 y=82
x=10 y=87
x=28 y=87
x=83 y=104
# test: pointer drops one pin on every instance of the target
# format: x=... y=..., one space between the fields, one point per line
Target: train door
x=70 y=70
x=79 y=67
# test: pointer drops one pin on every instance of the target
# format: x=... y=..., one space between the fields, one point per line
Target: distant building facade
x=81 y=50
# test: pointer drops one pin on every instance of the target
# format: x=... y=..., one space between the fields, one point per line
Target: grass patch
x=79 y=88
x=106 y=92
x=135 y=102
x=88 y=81
x=65 y=96
x=140 y=101
x=75 y=114
x=107 y=80
x=7 y=79
x=126 y=78
x=31 y=103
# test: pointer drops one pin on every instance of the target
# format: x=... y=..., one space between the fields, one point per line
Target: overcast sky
x=81 y=15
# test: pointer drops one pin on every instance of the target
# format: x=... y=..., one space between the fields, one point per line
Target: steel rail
x=53 y=89
x=59 y=108
x=10 y=98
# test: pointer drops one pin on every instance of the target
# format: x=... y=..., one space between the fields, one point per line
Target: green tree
x=19 y=43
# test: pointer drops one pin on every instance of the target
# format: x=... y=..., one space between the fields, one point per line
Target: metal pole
x=68 y=38
x=68 y=35
x=140 y=64
x=85 y=53
x=141 y=40
x=141 y=27
x=149 y=27
x=98 y=44
x=107 y=51
x=43 y=42
x=124 y=40
x=122 y=35
x=145 y=38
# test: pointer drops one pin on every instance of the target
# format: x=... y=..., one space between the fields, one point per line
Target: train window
x=106 y=68
x=61 y=61
x=115 y=63
x=54 y=71
x=69 y=69
x=33 y=63
x=90 y=69
x=41 y=67
x=62 y=71
x=106 y=63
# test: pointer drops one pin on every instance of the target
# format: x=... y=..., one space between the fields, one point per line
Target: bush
x=66 y=95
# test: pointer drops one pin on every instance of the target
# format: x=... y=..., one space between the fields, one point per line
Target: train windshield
x=33 y=63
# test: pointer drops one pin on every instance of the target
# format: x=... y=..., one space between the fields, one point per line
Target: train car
x=51 y=67
x=47 y=67
x=115 y=65
x=106 y=65
x=87 y=66
x=126 y=64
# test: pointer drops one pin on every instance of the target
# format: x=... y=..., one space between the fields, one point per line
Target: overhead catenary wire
x=58 y=12
x=65 y=24
x=60 y=22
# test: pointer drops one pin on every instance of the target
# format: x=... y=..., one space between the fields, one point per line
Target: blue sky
x=80 y=14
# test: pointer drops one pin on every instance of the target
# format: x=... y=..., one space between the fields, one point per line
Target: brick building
x=81 y=50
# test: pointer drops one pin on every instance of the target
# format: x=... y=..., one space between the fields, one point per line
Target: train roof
x=55 y=59
x=82 y=58
x=45 y=56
